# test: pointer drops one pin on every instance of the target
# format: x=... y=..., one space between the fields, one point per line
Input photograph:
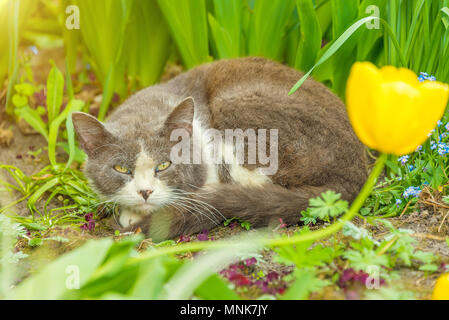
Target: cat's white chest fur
x=226 y=155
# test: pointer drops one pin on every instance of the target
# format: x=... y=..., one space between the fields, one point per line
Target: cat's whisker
x=181 y=208
x=208 y=205
x=203 y=206
x=190 y=205
x=200 y=205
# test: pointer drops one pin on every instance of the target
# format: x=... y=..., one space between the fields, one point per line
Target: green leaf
x=329 y=205
x=429 y=267
x=34 y=226
x=305 y=283
x=150 y=280
x=268 y=28
x=70 y=140
x=215 y=288
x=365 y=259
x=19 y=100
x=188 y=25
x=72 y=106
x=25 y=89
x=56 y=279
x=310 y=35
x=35 y=242
x=336 y=45
x=34 y=120
x=55 y=90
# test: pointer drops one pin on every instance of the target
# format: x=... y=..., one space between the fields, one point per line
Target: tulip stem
x=311 y=236
x=348 y=216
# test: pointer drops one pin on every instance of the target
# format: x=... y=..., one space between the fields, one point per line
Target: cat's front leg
x=128 y=217
x=169 y=223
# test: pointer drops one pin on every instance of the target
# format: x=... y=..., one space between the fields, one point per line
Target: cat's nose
x=145 y=193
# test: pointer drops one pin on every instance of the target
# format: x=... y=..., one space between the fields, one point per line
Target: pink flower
x=250 y=262
x=184 y=238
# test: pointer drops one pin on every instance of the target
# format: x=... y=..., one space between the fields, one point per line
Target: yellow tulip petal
x=390 y=110
x=393 y=74
x=397 y=124
x=441 y=290
x=360 y=101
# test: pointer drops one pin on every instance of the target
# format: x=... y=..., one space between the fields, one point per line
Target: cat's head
x=129 y=161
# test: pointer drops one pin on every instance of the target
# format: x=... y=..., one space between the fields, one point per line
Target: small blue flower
x=398 y=202
x=411 y=168
x=411 y=192
x=423 y=76
x=439 y=123
x=443 y=149
x=430 y=133
x=418 y=149
x=447 y=126
x=403 y=160
x=34 y=49
x=433 y=145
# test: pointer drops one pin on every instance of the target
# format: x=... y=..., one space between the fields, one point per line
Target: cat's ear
x=182 y=116
x=91 y=133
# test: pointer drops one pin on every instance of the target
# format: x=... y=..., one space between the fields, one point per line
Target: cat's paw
x=128 y=217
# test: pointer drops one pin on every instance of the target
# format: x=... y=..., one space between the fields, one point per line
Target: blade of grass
x=188 y=25
x=310 y=35
x=72 y=106
x=340 y=41
x=268 y=28
x=13 y=36
x=226 y=28
x=55 y=89
x=34 y=120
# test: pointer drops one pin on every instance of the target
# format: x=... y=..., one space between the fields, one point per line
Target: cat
x=130 y=156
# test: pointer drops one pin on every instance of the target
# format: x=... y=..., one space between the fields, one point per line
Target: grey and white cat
x=129 y=156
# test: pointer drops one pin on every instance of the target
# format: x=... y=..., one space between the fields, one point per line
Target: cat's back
x=252 y=93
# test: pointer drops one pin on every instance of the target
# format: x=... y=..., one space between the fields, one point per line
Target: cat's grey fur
x=318 y=150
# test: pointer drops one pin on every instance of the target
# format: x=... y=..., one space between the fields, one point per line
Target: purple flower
x=41 y=97
x=89 y=226
x=403 y=160
x=204 y=236
x=351 y=276
x=88 y=216
x=272 y=276
x=250 y=262
x=184 y=238
x=411 y=192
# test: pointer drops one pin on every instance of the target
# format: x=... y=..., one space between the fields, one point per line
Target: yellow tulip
x=390 y=110
x=441 y=290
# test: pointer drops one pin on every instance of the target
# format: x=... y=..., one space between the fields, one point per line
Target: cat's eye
x=163 y=166
x=121 y=169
